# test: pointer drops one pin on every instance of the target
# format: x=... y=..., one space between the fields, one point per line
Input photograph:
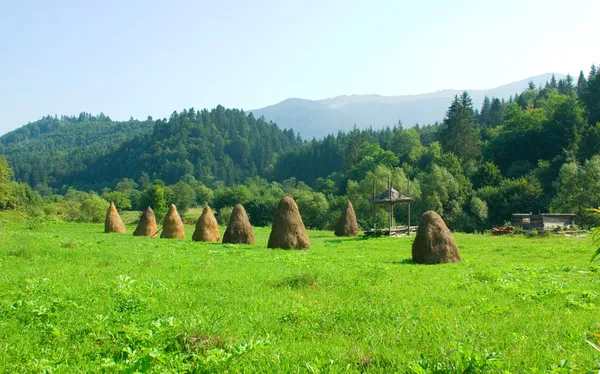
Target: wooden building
x=542 y=221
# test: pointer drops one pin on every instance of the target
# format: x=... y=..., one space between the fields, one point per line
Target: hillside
x=321 y=117
x=45 y=151
x=91 y=153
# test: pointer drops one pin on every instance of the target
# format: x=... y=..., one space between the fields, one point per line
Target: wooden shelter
x=388 y=199
x=542 y=221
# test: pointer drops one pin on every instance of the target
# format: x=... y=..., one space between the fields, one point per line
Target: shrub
x=224 y=215
x=93 y=209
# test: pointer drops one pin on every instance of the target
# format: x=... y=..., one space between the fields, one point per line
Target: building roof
x=390 y=196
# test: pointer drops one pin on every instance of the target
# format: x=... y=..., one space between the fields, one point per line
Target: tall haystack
x=239 y=230
x=113 y=221
x=347 y=225
x=147 y=225
x=434 y=243
x=172 y=225
x=288 y=231
x=207 y=229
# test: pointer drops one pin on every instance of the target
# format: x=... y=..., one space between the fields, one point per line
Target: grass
x=73 y=299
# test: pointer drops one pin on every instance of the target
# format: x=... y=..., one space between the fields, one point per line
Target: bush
x=224 y=214
x=93 y=209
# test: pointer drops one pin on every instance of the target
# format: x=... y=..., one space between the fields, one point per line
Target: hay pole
x=159 y=230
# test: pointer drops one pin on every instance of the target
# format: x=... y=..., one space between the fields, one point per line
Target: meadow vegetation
x=73 y=299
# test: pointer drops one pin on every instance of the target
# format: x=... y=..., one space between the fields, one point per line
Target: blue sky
x=140 y=58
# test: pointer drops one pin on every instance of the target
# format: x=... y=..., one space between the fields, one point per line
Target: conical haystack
x=172 y=225
x=239 y=229
x=288 y=231
x=113 y=221
x=434 y=243
x=347 y=226
x=207 y=229
x=147 y=225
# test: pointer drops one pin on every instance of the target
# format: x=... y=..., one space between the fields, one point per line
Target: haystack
x=288 y=231
x=147 y=225
x=113 y=221
x=347 y=226
x=172 y=225
x=207 y=229
x=434 y=243
x=239 y=229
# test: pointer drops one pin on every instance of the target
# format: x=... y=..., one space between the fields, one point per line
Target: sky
x=149 y=58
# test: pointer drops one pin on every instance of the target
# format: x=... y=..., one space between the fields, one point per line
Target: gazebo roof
x=390 y=196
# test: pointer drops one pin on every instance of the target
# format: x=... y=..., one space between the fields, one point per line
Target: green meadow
x=73 y=299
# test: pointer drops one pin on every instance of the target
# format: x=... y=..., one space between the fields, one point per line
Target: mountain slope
x=321 y=117
x=221 y=144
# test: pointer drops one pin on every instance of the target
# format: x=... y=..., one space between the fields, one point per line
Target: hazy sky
x=140 y=58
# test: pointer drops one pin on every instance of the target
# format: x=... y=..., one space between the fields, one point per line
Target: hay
x=113 y=221
x=347 y=225
x=207 y=229
x=239 y=230
x=434 y=243
x=147 y=225
x=288 y=230
x=172 y=225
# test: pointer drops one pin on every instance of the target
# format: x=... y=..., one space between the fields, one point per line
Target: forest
x=535 y=152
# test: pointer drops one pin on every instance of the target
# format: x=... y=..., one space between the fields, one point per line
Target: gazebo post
x=391 y=208
x=408 y=192
x=374 y=209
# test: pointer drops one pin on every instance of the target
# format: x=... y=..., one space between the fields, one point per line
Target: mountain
x=317 y=118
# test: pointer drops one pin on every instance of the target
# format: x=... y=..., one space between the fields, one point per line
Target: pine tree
x=553 y=83
x=565 y=86
x=593 y=72
x=484 y=115
x=581 y=84
x=459 y=134
x=531 y=85
x=496 y=113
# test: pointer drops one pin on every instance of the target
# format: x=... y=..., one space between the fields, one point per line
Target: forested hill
x=94 y=152
x=45 y=151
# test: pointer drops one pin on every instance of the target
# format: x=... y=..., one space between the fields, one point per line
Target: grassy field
x=73 y=299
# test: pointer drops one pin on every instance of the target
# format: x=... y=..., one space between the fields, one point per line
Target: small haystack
x=288 y=231
x=347 y=226
x=207 y=229
x=113 y=221
x=434 y=243
x=239 y=230
x=172 y=225
x=147 y=225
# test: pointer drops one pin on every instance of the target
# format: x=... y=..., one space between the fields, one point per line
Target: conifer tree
x=459 y=134
x=553 y=83
x=581 y=84
x=484 y=115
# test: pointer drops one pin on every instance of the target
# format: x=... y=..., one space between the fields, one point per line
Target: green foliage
x=155 y=197
x=459 y=134
x=577 y=189
x=6 y=173
x=223 y=215
x=120 y=199
x=93 y=209
x=184 y=196
x=313 y=207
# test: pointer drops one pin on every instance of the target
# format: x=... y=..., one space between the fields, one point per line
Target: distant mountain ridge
x=318 y=118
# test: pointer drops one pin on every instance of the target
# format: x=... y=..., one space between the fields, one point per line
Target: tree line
x=536 y=151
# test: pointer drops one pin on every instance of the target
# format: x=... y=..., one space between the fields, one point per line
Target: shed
x=543 y=221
